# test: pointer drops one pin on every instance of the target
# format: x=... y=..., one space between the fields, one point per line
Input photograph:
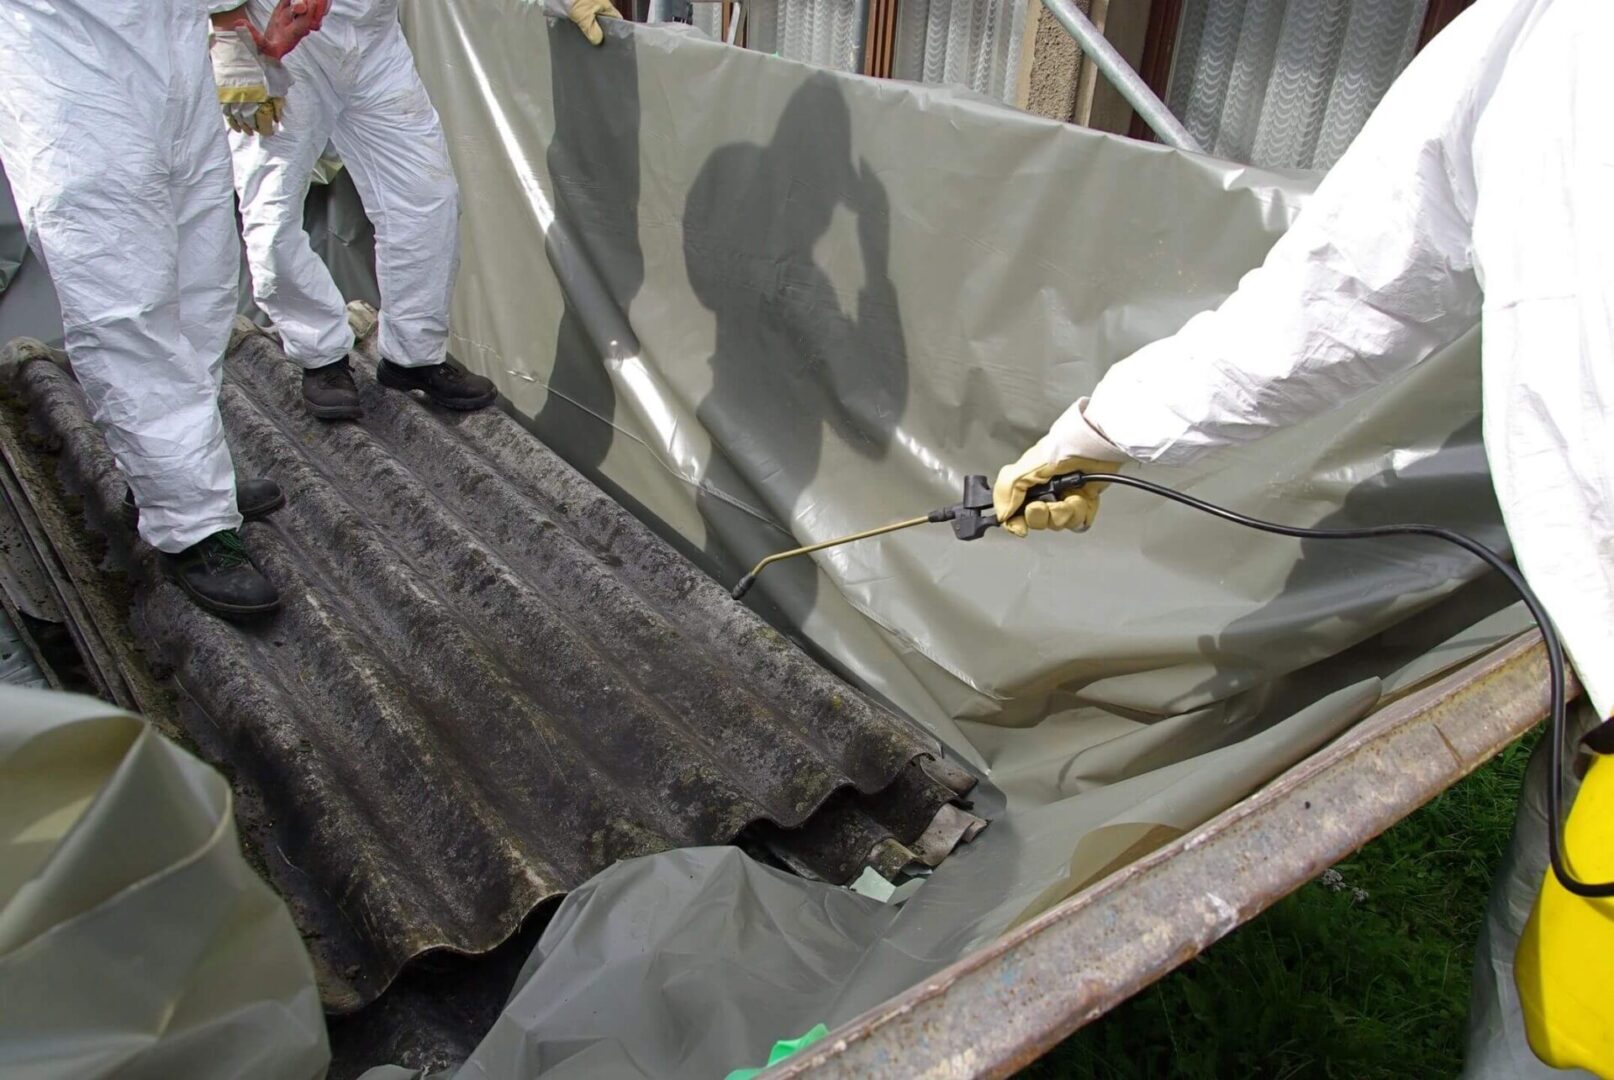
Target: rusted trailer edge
x=1002 y=1006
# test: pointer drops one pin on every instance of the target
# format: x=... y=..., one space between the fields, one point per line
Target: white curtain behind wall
x=708 y=17
x=973 y=43
x=820 y=32
x=1287 y=83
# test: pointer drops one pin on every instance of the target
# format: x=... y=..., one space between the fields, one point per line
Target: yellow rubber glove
x=1074 y=512
x=587 y=13
x=252 y=86
x=1072 y=445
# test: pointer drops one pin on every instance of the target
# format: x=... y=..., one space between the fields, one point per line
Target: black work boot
x=221 y=577
x=329 y=392
x=255 y=498
x=447 y=384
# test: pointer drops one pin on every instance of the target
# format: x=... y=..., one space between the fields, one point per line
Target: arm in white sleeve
x=1374 y=276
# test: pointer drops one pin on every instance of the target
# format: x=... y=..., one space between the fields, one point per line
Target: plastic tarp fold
x=775 y=324
x=28 y=306
x=135 y=940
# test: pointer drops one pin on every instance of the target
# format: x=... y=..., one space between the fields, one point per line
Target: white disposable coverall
x=1482 y=185
x=355 y=86
x=110 y=131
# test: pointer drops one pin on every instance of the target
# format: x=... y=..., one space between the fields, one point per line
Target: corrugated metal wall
x=1287 y=83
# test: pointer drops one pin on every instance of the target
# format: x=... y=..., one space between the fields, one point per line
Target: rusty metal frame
x=1003 y=1006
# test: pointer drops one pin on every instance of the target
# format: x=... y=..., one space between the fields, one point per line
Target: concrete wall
x=1059 y=83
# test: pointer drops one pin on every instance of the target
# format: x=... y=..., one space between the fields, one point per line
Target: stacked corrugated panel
x=488 y=681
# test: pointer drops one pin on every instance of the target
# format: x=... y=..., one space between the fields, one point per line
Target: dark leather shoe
x=447 y=384
x=330 y=393
x=220 y=576
x=256 y=497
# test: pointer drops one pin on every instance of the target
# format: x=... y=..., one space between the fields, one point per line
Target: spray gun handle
x=1057 y=488
x=973 y=514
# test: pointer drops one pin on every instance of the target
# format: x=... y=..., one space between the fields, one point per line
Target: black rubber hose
x=1555 y=653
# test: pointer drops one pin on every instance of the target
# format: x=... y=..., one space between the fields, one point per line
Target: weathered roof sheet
x=488 y=681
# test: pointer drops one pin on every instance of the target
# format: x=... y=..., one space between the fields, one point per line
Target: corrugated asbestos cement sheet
x=488 y=681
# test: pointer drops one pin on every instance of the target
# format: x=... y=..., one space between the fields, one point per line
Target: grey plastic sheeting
x=767 y=305
x=13 y=241
x=771 y=304
x=28 y=306
x=135 y=940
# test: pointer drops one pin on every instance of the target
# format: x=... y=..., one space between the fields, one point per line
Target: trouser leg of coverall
x=209 y=245
x=1497 y=1047
x=392 y=142
x=289 y=282
x=110 y=240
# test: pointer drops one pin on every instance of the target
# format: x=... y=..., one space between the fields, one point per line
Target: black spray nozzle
x=744 y=585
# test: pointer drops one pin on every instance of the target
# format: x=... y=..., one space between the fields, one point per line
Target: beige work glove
x=586 y=14
x=1073 y=445
x=252 y=86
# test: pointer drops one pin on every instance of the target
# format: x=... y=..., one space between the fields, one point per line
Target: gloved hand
x=586 y=14
x=252 y=86
x=289 y=23
x=1072 y=445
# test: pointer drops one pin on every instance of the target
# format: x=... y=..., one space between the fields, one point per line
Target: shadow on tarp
x=596 y=191
x=789 y=364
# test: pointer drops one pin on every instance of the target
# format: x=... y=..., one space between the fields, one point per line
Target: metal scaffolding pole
x=1114 y=67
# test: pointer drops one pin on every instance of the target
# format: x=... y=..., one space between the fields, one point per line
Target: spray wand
x=971 y=517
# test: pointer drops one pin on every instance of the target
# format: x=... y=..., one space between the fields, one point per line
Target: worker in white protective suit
x=354 y=85
x=110 y=135
x=1481 y=186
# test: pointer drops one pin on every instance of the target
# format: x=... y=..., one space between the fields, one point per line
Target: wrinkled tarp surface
x=135 y=939
x=775 y=324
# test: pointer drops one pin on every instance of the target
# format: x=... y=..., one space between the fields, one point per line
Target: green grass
x=1366 y=979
